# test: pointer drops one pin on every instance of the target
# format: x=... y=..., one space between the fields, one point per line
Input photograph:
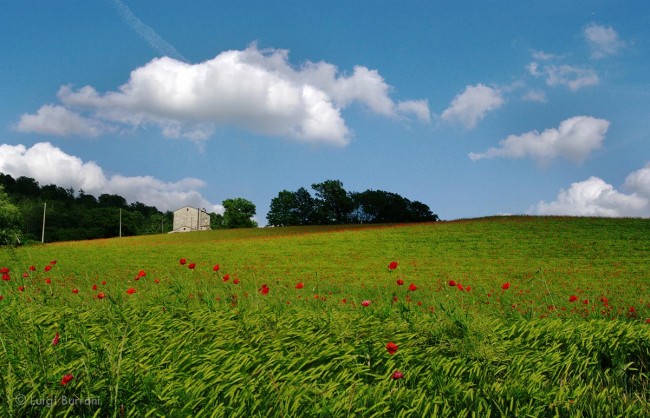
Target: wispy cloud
x=603 y=40
x=146 y=32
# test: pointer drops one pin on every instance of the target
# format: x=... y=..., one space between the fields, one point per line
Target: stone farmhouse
x=188 y=219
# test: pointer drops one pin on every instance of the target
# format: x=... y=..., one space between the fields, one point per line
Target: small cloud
x=543 y=56
x=574 y=140
x=58 y=121
x=603 y=40
x=470 y=106
x=419 y=108
x=595 y=197
x=538 y=96
x=572 y=77
x=48 y=164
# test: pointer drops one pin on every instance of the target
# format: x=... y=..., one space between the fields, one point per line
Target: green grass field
x=506 y=316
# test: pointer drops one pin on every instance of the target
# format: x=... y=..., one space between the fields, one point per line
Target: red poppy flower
x=6 y=277
x=157 y=281
x=468 y=288
x=216 y=267
x=300 y=285
x=236 y=281
x=48 y=267
x=391 y=347
x=264 y=289
x=191 y=266
x=67 y=378
x=94 y=287
x=25 y=275
x=452 y=283
x=4 y=270
x=53 y=262
x=365 y=303
x=21 y=288
x=75 y=291
x=460 y=286
x=586 y=302
x=400 y=282
x=631 y=310
x=226 y=278
x=55 y=341
x=392 y=265
x=573 y=298
x=1 y=297
x=141 y=274
x=647 y=321
x=103 y=282
x=397 y=375
x=183 y=261
x=413 y=287
x=48 y=281
x=506 y=286
x=130 y=290
x=32 y=268
x=101 y=295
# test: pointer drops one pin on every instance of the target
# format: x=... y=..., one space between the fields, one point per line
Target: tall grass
x=189 y=343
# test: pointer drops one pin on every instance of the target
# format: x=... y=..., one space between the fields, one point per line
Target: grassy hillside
x=509 y=316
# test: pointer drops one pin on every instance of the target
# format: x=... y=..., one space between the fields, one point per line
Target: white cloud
x=595 y=197
x=603 y=40
x=574 y=140
x=538 y=96
x=59 y=121
x=48 y=164
x=572 y=77
x=639 y=182
x=470 y=106
x=253 y=89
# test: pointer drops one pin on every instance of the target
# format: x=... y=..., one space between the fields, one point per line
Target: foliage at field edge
x=222 y=325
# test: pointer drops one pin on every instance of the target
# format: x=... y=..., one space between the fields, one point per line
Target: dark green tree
x=333 y=204
x=238 y=213
x=283 y=210
x=9 y=220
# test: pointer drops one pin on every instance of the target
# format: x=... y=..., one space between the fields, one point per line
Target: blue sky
x=473 y=108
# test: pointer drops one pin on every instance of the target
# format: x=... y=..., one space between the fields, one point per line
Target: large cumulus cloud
x=253 y=89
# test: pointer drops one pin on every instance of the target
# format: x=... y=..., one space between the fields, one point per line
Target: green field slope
x=505 y=316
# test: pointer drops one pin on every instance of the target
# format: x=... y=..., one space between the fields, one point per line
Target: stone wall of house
x=190 y=219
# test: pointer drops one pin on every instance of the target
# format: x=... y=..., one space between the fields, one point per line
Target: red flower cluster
x=397 y=375
x=264 y=289
x=392 y=265
x=505 y=286
x=300 y=285
x=573 y=298
x=391 y=347
x=183 y=261
x=413 y=287
x=365 y=303
x=130 y=290
x=67 y=378
x=55 y=341
x=140 y=275
x=400 y=282
x=216 y=268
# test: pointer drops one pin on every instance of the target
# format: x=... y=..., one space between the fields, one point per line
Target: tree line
x=332 y=204
x=71 y=215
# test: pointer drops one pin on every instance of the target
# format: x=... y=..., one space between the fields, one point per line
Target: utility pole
x=43 y=231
